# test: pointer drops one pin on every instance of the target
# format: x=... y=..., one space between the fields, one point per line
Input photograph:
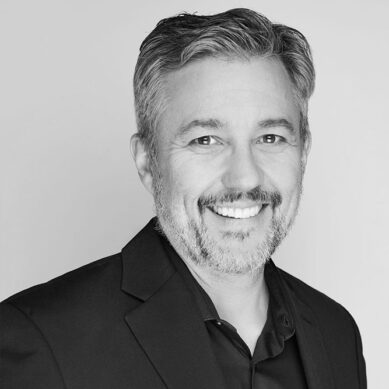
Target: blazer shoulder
x=95 y=278
x=337 y=326
x=26 y=358
x=323 y=306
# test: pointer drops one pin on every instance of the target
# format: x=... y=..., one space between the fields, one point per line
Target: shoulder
x=334 y=321
x=333 y=324
x=91 y=291
x=36 y=321
x=84 y=287
x=322 y=306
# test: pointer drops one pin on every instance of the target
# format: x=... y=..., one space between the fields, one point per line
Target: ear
x=306 y=147
x=142 y=162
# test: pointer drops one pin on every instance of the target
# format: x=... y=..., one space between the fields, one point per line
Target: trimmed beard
x=193 y=241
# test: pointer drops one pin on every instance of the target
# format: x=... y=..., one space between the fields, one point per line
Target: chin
x=226 y=250
x=233 y=252
x=235 y=262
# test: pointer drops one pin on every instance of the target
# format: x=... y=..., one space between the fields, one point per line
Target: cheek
x=283 y=172
x=191 y=177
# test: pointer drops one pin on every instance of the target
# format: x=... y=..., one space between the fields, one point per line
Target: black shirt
x=275 y=363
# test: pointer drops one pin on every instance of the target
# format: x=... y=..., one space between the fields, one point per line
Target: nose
x=243 y=171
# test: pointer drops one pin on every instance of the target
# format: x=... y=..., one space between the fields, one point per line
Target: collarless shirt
x=275 y=362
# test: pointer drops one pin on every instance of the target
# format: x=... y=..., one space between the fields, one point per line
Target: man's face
x=230 y=162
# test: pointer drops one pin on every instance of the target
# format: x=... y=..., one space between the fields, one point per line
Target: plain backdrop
x=70 y=193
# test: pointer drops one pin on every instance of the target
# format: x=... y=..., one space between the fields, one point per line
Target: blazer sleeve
x=26 y=359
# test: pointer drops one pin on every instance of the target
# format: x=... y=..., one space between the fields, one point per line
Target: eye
x=270 y=139
x=205 y=141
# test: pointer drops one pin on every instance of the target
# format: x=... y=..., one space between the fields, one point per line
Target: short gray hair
x=239 y=33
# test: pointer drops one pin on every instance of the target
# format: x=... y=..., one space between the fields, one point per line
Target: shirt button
x=219 y=323
x=285 y=321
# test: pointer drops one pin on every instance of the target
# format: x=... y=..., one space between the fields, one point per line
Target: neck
x=240 y=299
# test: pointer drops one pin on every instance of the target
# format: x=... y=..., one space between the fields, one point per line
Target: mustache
x=256 y=194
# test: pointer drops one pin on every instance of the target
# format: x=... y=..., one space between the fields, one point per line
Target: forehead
x=231 y=91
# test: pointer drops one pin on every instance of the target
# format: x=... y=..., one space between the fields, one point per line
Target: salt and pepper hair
x=238 y=33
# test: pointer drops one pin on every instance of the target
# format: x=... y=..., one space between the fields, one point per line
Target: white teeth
x=238 y=213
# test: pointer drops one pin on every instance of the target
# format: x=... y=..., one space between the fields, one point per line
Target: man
x=194 y=300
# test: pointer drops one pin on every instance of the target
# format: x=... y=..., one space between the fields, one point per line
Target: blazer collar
x=145 y=266
x=167 y=324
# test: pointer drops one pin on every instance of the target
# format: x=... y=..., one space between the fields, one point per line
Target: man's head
x=221 y=104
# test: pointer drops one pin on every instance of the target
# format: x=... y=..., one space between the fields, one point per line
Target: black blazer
x=129 y=322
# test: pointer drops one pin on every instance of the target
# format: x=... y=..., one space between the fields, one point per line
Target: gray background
x=70 y=193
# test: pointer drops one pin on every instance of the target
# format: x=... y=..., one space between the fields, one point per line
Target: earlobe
x=142 y=162
x=306 y=147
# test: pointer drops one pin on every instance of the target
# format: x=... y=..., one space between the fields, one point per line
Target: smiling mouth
x=238 y=213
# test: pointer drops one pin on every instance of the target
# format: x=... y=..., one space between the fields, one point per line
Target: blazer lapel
x=312 y=351
x=167 y=324
x=310 y=341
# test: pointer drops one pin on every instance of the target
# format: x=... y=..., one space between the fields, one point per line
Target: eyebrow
x=205 y=123
x=271 y=123
x=216 y=124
